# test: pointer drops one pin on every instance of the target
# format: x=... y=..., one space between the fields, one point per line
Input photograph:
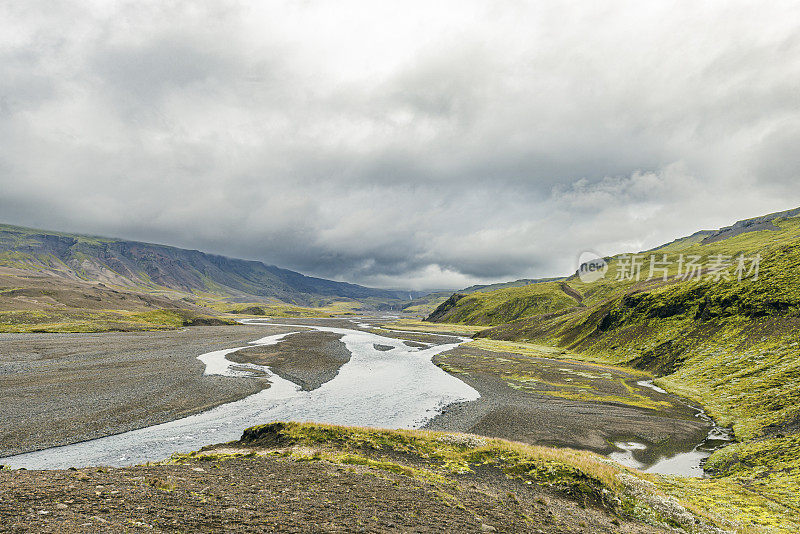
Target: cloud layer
x=406 y=144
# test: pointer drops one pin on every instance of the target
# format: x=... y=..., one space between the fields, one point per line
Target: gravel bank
x=309 y=359
x=533 y=413
x=57 y=389
x=268 y=494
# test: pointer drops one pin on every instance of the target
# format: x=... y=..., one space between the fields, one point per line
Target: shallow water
x=687 y=463
x=397 y=388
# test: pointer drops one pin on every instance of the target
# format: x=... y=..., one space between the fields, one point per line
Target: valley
x=59 y=282
x=410 y=267
x=618 y=375
x=506 y=405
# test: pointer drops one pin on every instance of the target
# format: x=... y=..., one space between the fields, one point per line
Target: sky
x=420 y=145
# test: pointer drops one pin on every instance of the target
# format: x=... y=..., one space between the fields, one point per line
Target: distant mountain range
x=148 y=267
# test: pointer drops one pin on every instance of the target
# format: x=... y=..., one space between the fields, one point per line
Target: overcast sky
x=399 y=144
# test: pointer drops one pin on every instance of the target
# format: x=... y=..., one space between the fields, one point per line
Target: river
x=395 y=388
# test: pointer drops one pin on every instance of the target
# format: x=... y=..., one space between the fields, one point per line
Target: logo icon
x=591 y=266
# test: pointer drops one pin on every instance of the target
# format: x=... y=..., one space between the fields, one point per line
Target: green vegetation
x=504 y=305
x=102 y=321
x=440 y=457
x=525 y=370
x=286 y=310
x=731 y=345
x=427 y=304
x=530 y=349
x=424 y=306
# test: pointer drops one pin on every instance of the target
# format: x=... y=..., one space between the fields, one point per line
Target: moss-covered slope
x=732 y=345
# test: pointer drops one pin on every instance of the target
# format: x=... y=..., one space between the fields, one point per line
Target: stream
x=394 y=386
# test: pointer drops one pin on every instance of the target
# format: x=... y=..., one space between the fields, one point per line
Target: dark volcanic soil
x=268 y=494
x=520 y=401
x=309 y=359
x=57 y=389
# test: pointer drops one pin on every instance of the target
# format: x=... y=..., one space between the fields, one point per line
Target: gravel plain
x=520 y=401
x=57 y=389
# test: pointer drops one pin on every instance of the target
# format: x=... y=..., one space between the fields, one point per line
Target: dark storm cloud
x=406 y=145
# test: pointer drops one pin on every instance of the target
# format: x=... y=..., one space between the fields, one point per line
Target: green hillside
x=504 y=305
x=427 y=304
x=732 y=345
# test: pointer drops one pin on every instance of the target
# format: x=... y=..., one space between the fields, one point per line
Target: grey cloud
x=435 y=146
x=145 y=72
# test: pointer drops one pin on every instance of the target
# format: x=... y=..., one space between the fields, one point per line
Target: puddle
x=687 y=464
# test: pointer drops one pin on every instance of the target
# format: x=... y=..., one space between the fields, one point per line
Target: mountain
x=769 y=236
x=150 y=267
x=725 y=335
x=427 y=304
x=60 y=282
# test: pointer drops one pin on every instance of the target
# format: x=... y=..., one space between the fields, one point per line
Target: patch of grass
x=161 y=484
x=732 y=504
x=526 y=371
x=425 y=305
x=454 y=453
x=19 y=260
x=440 y=457
x=542 y=351
x=207 y=456
x=80 y=321
x=261 y=309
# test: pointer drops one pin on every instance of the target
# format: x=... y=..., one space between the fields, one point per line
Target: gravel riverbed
x=57 y=389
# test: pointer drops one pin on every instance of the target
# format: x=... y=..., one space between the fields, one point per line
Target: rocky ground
x=292 y=489
x=565 y=404
x=57 y=389
x=62 y=388
x=309 y=359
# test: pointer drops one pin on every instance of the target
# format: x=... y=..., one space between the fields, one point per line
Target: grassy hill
x=427 y=304
x=504 y=305
x=732 y=345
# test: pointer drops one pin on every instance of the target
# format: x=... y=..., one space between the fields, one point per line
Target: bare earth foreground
x=280 y=486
